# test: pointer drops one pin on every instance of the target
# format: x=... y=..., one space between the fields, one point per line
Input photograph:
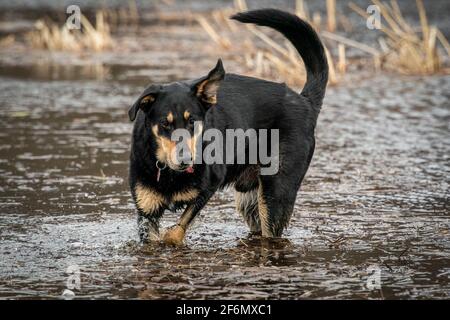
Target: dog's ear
x=144 y=102
x=206 y=89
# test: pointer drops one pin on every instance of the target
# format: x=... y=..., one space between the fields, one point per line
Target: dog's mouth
x=188 y=168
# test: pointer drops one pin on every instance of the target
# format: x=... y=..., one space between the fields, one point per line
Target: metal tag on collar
x=159 y=167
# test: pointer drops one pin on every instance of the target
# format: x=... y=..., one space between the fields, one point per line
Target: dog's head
x=178 y=106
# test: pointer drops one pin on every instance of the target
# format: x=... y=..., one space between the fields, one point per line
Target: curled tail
x=304 y=39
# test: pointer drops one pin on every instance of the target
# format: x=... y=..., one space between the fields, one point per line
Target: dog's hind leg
x=277 y=193
x=275 y=205
x=247 y=206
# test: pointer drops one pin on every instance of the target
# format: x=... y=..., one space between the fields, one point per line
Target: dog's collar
x=159 y=168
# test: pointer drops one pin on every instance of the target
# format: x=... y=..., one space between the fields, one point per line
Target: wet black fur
x=242 y=102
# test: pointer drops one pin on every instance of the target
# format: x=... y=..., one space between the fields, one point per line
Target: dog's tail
x=304 y=39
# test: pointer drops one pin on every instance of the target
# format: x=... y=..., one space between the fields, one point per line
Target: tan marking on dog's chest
x=147 y=199
x=185 y=196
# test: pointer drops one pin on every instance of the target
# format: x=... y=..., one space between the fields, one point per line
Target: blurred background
x=376 y=193
x=123 y=39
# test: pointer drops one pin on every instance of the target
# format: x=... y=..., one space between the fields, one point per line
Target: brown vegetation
x=48 y=35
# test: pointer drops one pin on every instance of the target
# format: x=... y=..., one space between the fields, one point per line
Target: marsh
x=376 y=194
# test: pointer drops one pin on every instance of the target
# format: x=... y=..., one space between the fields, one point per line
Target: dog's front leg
x=148 y=226
x=175 y=234
x=150 y=206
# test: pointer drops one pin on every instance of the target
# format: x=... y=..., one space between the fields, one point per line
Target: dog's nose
x=185 y=159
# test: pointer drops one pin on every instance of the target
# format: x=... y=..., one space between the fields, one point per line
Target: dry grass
x=404 y=49
x=331 y=15
x=334 y=19
x=48 y=35
x=7 y=41
x=122 y=16
x=264 y=57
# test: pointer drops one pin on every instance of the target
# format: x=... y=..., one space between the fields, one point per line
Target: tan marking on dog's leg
x=174 y=236
x=263 y=213
x=247 y=206
x=245 y=200
x=186 y=195
x=186 y=218
x=147 y=199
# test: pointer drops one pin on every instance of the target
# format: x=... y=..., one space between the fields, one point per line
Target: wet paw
x=174 y=236
x=149 y=237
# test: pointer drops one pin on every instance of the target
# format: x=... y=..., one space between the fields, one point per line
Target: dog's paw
x=148 y=237
x=174 y=236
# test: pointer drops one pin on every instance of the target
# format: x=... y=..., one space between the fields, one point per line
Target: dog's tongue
x=189 y=170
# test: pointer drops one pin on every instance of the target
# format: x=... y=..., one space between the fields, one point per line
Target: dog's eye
x=164 y=124
x=191 y=121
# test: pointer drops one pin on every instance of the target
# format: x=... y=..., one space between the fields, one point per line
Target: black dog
x=225 y=101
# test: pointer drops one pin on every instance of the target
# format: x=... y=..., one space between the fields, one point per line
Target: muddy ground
x=375 y=198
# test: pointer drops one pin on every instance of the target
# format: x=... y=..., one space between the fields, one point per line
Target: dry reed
x=265 y=57
x=331 y=15
x=404 y=50
x=48 y=35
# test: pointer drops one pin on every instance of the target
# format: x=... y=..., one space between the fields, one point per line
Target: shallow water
x=376 y=195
